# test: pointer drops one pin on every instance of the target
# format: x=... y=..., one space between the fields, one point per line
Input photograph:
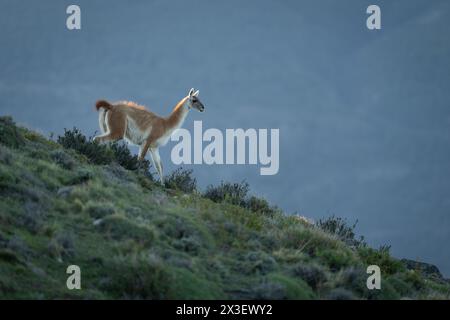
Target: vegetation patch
x=77 y=202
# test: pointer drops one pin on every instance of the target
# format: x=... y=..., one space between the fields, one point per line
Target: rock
x=117 y=174
x=160 y=198
x=97 y=222
x=37 y=271
x=426 y=269
x=64 y=191
x=63 y=159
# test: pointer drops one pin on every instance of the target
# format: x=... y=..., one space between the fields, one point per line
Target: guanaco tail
x=137 y=125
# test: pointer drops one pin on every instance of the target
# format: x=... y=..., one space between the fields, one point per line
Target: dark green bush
x=175 y=227
x=5 y=155
x=31 y=217
x=258 y=262
x=95 y=152
x=340 y=294
x=260 y=205
x=127 y=160
x=182 y=179
x=355 y=280
x=400 y=285
x=9 y=134
x=81 y=176
x=340 y=228
x=120 y=228
x=18 y=245
x=234 y=193
x=138 y=277
x=98 y=211
x=237 y=194
x=267 y=290
x=62 y=245
x=313 y=275
x=335 y=259
x=381 y=258
x=413 y=278
x=102 y=153
x=63 y=159
x=191 y=244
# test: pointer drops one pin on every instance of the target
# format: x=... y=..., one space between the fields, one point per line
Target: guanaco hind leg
x=156 y=159
x=116 y=123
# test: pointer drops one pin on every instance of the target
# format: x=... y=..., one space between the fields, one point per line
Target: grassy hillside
x=70 y=202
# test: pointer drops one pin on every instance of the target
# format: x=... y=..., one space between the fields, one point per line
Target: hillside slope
x=135 y=239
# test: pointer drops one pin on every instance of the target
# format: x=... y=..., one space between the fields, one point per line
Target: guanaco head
x=194 y=102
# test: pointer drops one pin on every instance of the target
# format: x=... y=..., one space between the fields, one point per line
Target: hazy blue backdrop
x=364 y=116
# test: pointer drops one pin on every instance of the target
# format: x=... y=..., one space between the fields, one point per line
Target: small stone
x=97 y=222
x=64 y=191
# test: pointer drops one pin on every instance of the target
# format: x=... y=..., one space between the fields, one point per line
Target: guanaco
x=138 y=126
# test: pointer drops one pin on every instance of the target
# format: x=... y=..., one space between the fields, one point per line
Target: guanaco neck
x=176 y=118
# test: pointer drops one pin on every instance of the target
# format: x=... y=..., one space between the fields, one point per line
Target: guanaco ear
x=191 y=92
x=195 y=94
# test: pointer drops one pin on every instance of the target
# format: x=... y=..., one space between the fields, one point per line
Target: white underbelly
x=134 y=135
x=162 y=141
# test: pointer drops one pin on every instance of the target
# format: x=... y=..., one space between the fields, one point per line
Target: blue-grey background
x=364 y=116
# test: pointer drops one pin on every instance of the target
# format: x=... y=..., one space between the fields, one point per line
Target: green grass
x=134 y=239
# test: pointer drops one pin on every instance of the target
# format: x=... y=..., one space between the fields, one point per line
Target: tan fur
x=133 y=122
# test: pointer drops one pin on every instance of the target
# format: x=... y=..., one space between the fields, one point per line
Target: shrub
x=190 y=244
x=258 y=262
x=62 y=245
x=120 y=228
x=268 y=291
x=117 y=174
x=413 y=277
x=102 y=153
x=138 y=277
x=353 y=279
x=193 y=285
x=182 y=179
x=400 y=285
x=175 y=227
x=5 y=155
x=340 y=294
x=9 y=256
x=295 y=288
x=381 y=258
x=336 y=259
x=31 y=217
x=95 y=152
x=98 y=211
x=261 y=206
x=63 y=159
x=234 y=193
x=387 y=292
x=313 y=275
x=81 y=176
x=340 y=228
x=127 y=160
x=18 y=245
x=237 y=194
x=9 y=133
